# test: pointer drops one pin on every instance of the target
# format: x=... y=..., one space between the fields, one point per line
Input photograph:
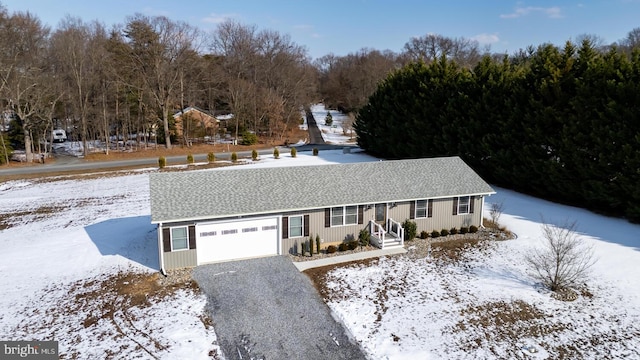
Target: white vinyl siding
x=179 y=240
x=295 y=226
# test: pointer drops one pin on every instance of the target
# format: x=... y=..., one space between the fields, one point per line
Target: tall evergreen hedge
x=563 y=124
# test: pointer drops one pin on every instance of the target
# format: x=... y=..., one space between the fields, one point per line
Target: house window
x=463 y=204
x=337 y=216
x=295 y=226
x=421 y=209
x=344 y=215
x=179 y=239
x=351 y=215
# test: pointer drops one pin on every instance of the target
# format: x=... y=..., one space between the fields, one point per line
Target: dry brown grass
x=9 y=219
x=105 y=306
x=318 y=275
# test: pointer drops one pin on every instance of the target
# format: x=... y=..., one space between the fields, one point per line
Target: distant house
x=199 y=123
x=221 y=215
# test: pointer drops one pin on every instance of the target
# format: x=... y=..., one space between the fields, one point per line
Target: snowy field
x=488 y=306
x=78 y=265
x=78 y=253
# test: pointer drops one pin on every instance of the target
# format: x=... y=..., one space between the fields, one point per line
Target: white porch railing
x=380 y=236
x=396 y=229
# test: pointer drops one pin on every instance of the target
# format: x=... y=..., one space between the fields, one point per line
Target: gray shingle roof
x=213 y=194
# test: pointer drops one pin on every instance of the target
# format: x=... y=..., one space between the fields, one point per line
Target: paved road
x=315 y=135
x=70 y=163
x=266 y=309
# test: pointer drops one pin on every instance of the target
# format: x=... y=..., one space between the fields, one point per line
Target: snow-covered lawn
x=79 y=256
x=334 y=134
x=78 y=264
x=488 y=306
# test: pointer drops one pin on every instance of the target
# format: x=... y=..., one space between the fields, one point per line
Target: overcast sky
x=345 y=26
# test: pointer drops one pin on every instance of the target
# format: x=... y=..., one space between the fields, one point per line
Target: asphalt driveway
x=266 y=309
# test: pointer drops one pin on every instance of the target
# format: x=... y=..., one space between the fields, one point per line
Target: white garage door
x=238 y=239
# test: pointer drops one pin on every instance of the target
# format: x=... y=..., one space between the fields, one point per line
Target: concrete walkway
x=304 y=265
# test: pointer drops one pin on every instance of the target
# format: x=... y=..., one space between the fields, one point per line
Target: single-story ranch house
x=234 y=213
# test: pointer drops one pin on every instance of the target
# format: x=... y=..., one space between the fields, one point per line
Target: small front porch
x=386 y=237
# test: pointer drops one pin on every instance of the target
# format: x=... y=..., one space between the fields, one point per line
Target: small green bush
x=294 y=152
x=453 y=231
x=444 y=232
x=328 y=120
x=249 y=138
x=473 y=229
x=311 y=245
x=254 y=155
x=352 y=245
x=331 y=249
x=435 y=234
x=234 y=157
x=424 y=234
x=317 y=244
x=162 y=162
x=211 y=157
x=364 y=237
x=190 y=159
x=464 y=230
x=343 y=247
x=410 y=230
x=276 y=153
x=315 y=151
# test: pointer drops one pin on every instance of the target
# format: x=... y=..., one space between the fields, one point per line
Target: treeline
x=128 y=80
x=560 y=123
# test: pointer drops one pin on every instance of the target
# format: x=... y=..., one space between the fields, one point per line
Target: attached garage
x=237 y=239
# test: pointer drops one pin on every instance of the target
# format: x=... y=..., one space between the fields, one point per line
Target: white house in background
x=222 y=215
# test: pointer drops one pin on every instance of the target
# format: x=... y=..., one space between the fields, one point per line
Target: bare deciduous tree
x=495 y=211
x=564 y=260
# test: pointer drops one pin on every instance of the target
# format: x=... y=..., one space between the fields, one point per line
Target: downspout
x=482 y=211
x=161 y=250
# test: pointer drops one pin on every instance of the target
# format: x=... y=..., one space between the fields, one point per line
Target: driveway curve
x=266 y=309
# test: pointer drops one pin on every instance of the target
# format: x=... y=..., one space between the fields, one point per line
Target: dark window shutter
x=166 y=239
x=360 y=214
x=455 y=206
x=412 y=210
x=471 y=201
x=192 y=236
x=327 y=217
x=285 y=227
x=430 y=208
x=306 y=225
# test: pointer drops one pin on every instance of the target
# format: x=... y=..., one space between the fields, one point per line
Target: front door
x=381 y=214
